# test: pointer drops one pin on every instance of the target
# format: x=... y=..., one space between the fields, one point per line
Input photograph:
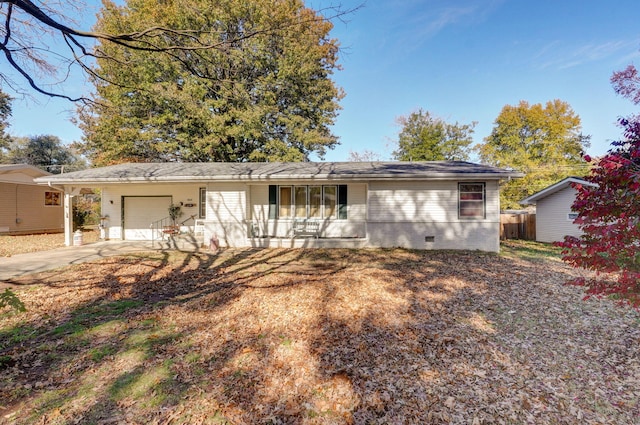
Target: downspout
x=16 y=222
x=55 y=187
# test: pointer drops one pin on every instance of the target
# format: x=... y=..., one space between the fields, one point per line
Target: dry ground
x=317 y=337
x=12 y=245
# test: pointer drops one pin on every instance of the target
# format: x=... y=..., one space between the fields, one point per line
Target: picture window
x=313 y=201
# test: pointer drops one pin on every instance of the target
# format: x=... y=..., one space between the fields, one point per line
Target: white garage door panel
x=140 y=212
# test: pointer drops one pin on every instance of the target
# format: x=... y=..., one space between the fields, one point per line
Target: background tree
x=427 y=138
x=609 y=214
x=364 y=156
x=5 y=113
x=44 y=151
x=627 y=83
x=42 y=47
x=544 y=142
x=266 y=96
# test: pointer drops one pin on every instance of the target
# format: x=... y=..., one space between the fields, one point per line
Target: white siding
x=410 y=214
x=226 y=202
x=380 y=214
x=551 y=216
x=412 y=201
x=353 y=227
x=357 y=202
x=112 y=204
x=259 y=198
x=227 y=213
x=481 y=235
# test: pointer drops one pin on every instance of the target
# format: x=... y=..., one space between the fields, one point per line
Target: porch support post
x=68 y=219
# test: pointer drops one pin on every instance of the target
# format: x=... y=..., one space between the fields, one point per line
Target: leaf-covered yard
x=317 y=337
x=12 y=245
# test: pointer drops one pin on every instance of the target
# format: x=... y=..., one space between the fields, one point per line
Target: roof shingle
x=224 y=171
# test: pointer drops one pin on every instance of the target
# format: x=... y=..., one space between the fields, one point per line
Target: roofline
x=59 y=180
x=556 y=187
x=12 y=167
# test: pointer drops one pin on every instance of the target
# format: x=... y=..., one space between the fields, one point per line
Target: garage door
x=140 y=212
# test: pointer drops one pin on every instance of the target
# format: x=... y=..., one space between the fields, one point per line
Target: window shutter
x=342 y=201
x=273 y=199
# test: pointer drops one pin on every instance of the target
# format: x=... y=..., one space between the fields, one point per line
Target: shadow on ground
x=314 y=336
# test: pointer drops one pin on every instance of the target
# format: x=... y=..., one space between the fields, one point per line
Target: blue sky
x=461 y=60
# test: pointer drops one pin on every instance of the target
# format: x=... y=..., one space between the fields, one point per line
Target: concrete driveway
x=23 y=264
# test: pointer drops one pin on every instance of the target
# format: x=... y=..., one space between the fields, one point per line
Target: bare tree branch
x=17 y=67
x=26 y=60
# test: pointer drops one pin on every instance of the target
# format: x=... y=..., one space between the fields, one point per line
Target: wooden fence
x=518 y=226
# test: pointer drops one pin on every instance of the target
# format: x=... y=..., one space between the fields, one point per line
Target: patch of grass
x=6 y=361
x=18 y=392
x=98 y=353
x=151 y=385
x=69 y=328
x=107 y=329
x=147 y=343
x=192 y=357
x=82 y=320
x=285 y=341
x=16 y=335
x=50 y=400
x=529 y=250
x=114 y=308
x=149 y=323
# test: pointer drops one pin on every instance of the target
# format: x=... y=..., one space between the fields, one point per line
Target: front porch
x=290 y=233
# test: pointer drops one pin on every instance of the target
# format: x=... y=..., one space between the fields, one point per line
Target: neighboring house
x=25 y=206
x=424 y=205
x=554 y=216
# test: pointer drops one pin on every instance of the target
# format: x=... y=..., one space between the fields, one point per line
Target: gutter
x=60 y=188
x=317 y=177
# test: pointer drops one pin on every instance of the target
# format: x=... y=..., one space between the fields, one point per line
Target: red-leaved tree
x=609 y=213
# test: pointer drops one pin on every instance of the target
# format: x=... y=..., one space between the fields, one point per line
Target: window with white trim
x=285 y=198
x=301 y=201
x=329 y=201
x=471 y=200
x=315 y=201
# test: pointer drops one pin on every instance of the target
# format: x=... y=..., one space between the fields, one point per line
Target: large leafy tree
x=40 y=44
x=44 y=151
x=267 y=96
x=5 y=113
x=609 y=212
x=544 y=142
x=424 y=137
